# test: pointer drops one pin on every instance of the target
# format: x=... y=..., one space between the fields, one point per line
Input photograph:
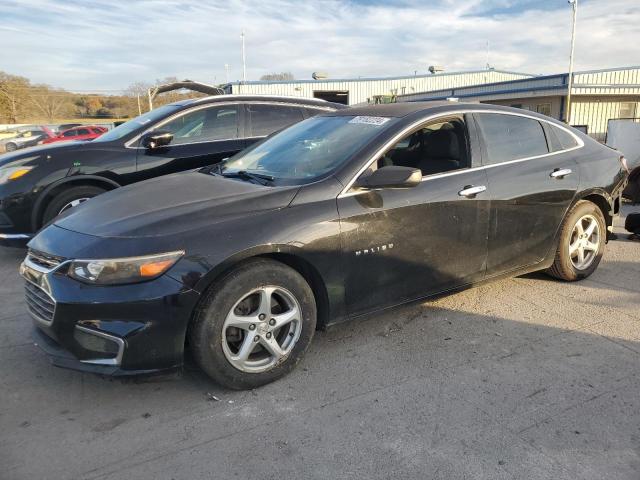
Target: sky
x=106 y=45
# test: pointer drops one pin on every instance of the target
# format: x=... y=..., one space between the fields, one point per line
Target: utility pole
x=244 y=60
x=574 y=6
x=139 y=107
x=226 y=72
x=488 y=64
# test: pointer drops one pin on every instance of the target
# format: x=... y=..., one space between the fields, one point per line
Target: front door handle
x=560 y=173
x=470 y=191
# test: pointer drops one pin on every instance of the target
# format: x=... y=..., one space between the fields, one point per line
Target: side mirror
x=391 y=177
x=156 y=139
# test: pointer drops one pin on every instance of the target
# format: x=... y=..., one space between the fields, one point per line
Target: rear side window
x=511 y=137
x=70 y=133
x=266 y=119
x=565 y=139
x=83 y=131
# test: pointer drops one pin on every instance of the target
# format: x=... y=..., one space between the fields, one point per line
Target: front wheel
x=254 y=325
x=582 y=242
x=68 y=199
x=11 y=147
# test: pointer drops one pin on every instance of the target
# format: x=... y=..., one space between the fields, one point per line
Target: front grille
x=44 y=260
x=39 y=303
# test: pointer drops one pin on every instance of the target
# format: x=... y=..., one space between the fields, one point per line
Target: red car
x=85 y=132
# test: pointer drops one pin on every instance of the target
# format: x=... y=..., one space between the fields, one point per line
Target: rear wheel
x=582 y=243
x=68 y=199
x=11 y=147
x=254 y=325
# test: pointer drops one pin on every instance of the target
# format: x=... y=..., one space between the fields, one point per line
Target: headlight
x=123 y=270
x=12 y=173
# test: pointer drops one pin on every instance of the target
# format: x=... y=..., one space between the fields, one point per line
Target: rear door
x=202 y=136
x=531 y=186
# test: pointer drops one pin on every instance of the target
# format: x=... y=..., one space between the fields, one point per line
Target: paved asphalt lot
x=525 y=378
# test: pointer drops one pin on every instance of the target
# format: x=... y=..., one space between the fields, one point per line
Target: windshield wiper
x=260 y=178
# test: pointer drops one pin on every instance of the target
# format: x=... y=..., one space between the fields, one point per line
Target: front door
x=201 y=136
x=531 y=189
x=402 y=244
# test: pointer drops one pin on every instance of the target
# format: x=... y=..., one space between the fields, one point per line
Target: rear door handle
x=470 y=191
x=560 y=173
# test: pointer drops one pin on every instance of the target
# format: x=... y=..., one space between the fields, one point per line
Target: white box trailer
x=624 y=135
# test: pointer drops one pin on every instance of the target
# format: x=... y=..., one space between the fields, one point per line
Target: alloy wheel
x=585 y=242
x=261 y=329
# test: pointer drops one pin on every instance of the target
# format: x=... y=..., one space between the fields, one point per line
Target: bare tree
x=277 y=76
x=49 y=103
x=13 y=95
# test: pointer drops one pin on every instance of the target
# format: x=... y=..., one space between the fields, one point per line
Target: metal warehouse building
x=362 y=90
x=596 y=96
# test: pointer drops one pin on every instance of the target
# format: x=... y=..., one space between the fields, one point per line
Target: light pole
x=226 y=72
x=574 y=6
x=244 y=60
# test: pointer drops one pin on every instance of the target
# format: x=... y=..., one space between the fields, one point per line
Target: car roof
x=392 y=109
x=311 y=102
x=404 y=109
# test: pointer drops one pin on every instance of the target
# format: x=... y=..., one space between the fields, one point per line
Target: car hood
x=32 y=153
x=173 y=204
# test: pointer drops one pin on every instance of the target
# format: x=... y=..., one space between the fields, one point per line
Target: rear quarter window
x=565 y=139
x=511 y=137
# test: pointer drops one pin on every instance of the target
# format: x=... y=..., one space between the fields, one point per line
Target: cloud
x=107 y=45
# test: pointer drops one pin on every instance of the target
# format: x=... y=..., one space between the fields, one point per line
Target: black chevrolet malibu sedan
x=333 y=218
x=38 y=184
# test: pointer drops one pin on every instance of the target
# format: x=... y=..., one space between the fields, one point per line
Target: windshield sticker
x=370 y=120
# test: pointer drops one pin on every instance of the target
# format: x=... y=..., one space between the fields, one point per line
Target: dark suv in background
x=38 y=184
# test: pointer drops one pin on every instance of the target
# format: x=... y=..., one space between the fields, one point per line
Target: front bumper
x=110 y=330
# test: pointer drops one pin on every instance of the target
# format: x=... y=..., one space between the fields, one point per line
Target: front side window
x=511 y=137
x=204 y=125
x=144 y=120
x=438 y=147
x=265 y=119
x=70 y=133
x=310 y=149
x=83 y=131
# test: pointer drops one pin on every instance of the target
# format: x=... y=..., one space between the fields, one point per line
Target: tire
x=568 y=266
x=11 y=147
x=632 y=223
x=214 y=342
x=61 y=201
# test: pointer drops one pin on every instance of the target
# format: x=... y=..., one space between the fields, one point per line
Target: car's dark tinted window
x=266 y=119
x=204 y=125
x=70 y=133
x=565 y=138
x=511 y=137
x=438 y=147
x=83 y=131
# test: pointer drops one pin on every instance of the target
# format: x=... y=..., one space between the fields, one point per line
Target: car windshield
x=307 y=150
x=136 y=123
